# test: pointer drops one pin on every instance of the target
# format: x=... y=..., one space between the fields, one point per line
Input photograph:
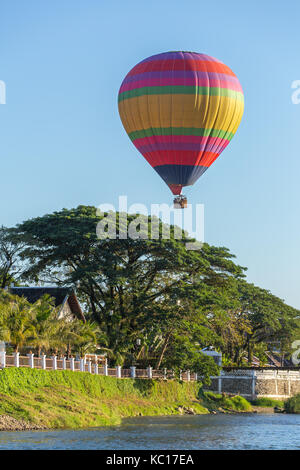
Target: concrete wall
x=66 y=312
x=278 y=384
x=257 y=383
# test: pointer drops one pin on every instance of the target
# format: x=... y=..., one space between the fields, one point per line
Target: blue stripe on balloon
x=184 y=175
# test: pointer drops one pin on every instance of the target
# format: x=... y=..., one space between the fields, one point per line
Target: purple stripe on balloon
x=196 y=74
x=203 y=82
x=183 y=146
x=181 y=55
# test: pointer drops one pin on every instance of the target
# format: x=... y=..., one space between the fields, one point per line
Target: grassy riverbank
x=64 y=399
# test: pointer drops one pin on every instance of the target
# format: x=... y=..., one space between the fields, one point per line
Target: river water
x=240 y=431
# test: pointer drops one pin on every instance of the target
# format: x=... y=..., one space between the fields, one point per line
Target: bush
x=292 y=405
x=235 y=403
x=212 y=396
x=268 y=402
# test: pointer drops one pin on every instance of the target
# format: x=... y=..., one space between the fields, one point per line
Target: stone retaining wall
x=253 y=384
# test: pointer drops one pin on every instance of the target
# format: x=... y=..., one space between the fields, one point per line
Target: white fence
x=82 y=365
x=250 y=383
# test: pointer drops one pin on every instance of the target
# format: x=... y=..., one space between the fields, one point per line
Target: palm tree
x=47 y=333
x=82 y=337
x=16 y=322
x=46 y=324
x=86 y=337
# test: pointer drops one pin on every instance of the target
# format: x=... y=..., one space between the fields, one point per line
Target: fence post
x=2 y=359
x=44 y=361
x=132 y=372
x=64 y=363
x=188 y=375
x=149 y=372
x=17 y=359
x=220 y=382
x=54 y=362
x=82 y=365
x=253 y=384
x=180 y=375
x=105 y=369
x=90 y=367
x=96 y=368
x=165 y=374
x=31 y=360
x=196 y=377
x=72 y=365
x=118 y=372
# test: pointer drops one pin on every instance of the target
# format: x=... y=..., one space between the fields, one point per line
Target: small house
x=64 y=298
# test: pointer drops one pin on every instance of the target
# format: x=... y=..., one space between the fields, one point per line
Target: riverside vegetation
x=292 y=405
x=64 y=399
x=147 y=301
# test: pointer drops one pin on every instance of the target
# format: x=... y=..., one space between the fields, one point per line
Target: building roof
x=61 y=295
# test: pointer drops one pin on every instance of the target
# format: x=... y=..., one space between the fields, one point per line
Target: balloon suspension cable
x=180 y=202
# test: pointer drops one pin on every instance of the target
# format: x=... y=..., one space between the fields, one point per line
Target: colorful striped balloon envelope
x=181 y=109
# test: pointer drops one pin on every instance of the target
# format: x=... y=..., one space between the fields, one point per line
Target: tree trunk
x=237 y=356
x=250 y=352
x=166 y=342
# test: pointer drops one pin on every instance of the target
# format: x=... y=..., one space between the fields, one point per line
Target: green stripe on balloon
x=180 y=131
x=180 y=90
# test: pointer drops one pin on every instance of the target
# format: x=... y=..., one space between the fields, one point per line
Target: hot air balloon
x=180 y=109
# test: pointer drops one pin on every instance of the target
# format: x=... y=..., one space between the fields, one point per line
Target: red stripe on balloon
x=181 y=82
x=184 y=157
x=166 y=139
x=187 y=64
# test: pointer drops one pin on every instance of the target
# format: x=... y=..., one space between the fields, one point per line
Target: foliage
x=16 y=321
x=149 y=299
x=132 y=287
x=292 y=405
x=268 y=402
x=38 y=327
x=234 y=403
x=11 y=266
x=184 y=355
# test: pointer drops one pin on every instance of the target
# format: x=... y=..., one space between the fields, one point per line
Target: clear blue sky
x=62 y=143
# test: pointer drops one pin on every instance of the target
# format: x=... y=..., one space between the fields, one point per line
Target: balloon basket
x=180 y=202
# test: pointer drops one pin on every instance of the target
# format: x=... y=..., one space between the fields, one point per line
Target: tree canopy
x=154 y=301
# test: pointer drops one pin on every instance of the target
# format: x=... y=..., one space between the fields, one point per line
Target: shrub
x=292 y=405
x=235 y=403
x=268 y=402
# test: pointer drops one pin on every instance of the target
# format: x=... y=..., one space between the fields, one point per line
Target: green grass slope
x=64 y=399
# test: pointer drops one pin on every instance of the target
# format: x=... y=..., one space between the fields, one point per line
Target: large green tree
x=272 y=321
x=132 y=286
x=11 y=266
x=147 y=290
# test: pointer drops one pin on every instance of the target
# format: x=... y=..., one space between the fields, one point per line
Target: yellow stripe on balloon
x=198 y=111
